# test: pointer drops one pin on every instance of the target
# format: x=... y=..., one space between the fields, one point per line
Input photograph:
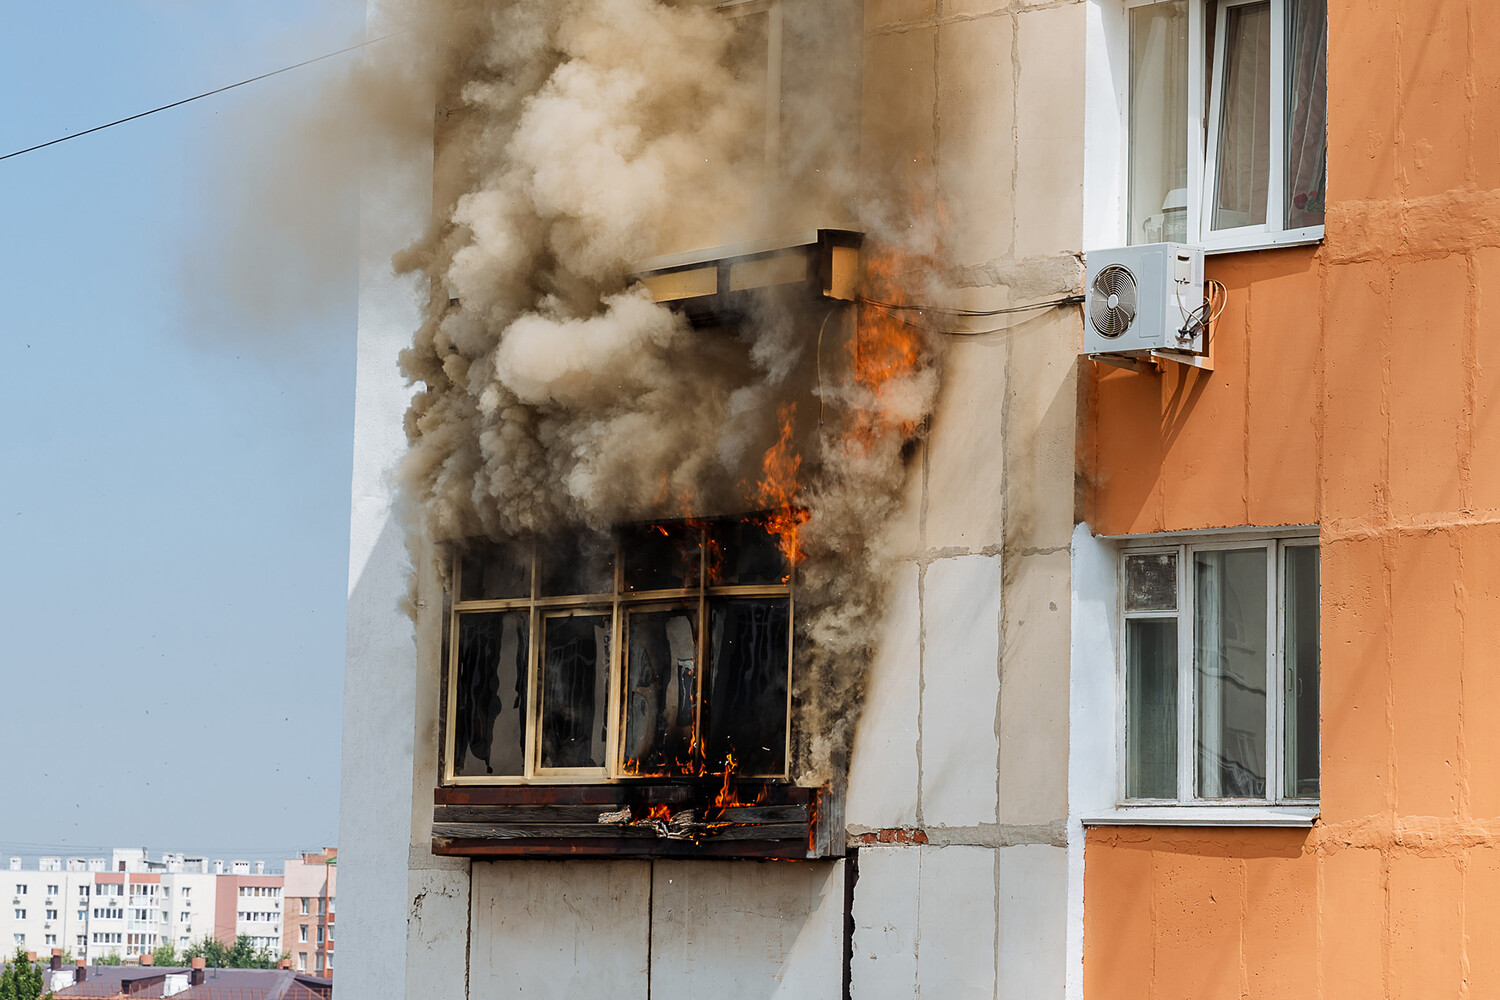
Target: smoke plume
x=576 y=138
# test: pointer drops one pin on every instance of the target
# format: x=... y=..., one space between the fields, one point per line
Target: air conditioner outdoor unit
x=1144 y=298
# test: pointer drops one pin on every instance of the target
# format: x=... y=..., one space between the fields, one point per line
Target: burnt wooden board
x=563 y=820
x=761 y=850
x=590 y=814
x=619 y=794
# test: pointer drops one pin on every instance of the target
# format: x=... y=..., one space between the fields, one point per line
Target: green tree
x=164 y=954
x=211 y=950
x=21 y=979
x=113 y=958
x=244 y=955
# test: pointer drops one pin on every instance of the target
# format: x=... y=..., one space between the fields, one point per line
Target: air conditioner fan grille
x=1113 y=302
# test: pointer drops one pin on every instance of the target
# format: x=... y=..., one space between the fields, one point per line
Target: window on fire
x=661 y=650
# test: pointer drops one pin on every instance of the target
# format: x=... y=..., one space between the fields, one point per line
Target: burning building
x=720 y=504
x=753 y=592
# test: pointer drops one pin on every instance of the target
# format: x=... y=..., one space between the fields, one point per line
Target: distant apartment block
x=249 y=905
x=129 y=904
x=307 y=933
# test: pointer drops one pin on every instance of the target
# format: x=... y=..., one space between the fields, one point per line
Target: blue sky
x=177 y=402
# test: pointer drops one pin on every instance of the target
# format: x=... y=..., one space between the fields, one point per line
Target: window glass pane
x=744 y=552
x=662 y=556
x=581 y=564
x=575 y=672
x=1243 y=173
x=661 y=691
x=746 y=684
x=1306 y=111
x=1301 y=656
x=1230 y=668
x=1151 y=582
x=489 y=734
x=492 y=571
x=1151 y=708
x=1158 y=122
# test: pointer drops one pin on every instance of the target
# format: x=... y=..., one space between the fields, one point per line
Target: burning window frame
x=619 y=603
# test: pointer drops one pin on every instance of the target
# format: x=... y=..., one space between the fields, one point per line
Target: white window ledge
x=1282 y=816
x=1263 y=241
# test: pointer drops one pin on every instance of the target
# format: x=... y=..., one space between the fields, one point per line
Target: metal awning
x=825 y=261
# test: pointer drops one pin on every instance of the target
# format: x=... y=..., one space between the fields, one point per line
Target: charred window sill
x=635 y=819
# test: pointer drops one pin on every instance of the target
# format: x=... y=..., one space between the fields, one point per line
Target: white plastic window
x=1220 y=672
x=1227 y=122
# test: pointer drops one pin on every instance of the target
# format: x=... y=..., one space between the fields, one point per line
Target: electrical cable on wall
x=895 y=309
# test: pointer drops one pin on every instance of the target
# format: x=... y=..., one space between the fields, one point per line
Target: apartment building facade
x=1338 y=444
x=953 y=794
x=249 y=905
x=127 y=905
x=1179 y=661
x=310 y=896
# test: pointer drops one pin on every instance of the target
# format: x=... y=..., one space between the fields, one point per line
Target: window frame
x=619 y=604
x=1204 y=110
x=1184 y=547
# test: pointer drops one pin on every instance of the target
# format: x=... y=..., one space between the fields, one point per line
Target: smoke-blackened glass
x=492 y=571
x=746 y=685
x=661 y=691
x=490 y=712
x=745 y=553
x=577 y=565
x=574 y=690
x=665 y=556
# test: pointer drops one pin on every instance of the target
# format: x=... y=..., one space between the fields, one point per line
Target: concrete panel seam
x=922 y=624
x=941 y=20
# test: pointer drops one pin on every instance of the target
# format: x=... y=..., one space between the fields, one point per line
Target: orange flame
x=886 y=349
x=660 y=811
x=713 y=556
x=726 y=796
x=777 y=489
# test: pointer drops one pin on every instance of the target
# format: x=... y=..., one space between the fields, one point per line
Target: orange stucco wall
x=1357 y=387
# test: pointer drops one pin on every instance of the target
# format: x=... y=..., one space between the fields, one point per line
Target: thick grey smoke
x=576 y=138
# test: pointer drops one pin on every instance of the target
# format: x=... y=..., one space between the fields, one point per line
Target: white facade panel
x=379 y=680
x=886 y=898
x=883 y=776
x=738 y=930
x=961 y=690
x=551 y=931
x=1033 y=922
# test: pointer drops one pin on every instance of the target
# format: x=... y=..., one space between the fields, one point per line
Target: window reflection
x=1230 y=667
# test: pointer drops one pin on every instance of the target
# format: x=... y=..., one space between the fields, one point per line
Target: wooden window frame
x=619 y=605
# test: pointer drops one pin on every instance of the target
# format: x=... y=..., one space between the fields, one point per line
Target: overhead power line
x=195 y=97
